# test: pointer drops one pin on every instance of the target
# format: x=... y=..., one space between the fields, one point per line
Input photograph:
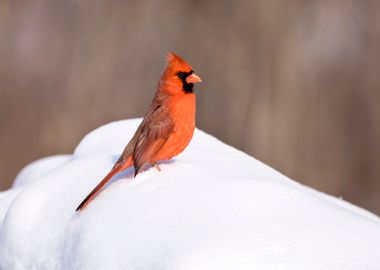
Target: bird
x=167 y=127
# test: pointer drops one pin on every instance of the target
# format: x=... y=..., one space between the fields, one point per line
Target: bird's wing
x=155 y=131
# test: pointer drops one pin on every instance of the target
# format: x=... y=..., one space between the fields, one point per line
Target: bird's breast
x=182 y=111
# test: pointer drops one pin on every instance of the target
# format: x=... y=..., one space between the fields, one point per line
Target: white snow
x=212 y=207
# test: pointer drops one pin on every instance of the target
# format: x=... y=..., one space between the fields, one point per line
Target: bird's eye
x=181 y=75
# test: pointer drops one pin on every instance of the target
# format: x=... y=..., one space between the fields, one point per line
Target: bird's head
x=178 y=76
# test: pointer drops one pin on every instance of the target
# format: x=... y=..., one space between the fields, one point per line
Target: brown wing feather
x=155 y=130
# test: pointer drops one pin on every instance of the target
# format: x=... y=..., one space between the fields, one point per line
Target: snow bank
x=213 y=207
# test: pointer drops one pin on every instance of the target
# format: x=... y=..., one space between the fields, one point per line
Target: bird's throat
x=188 y=88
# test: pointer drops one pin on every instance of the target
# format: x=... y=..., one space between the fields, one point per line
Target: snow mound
x=212 y=207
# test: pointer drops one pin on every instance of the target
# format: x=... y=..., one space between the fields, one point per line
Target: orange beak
x=193 y=78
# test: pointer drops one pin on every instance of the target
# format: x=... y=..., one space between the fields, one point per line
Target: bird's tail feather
x=119 y=166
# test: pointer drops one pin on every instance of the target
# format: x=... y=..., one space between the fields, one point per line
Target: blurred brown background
x=294 y=83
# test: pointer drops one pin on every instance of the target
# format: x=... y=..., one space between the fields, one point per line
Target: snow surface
x=212 y=207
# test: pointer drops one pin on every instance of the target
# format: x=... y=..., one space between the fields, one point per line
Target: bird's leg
x=156 y=166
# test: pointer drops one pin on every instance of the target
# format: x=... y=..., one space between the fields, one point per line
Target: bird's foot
x=156 y=166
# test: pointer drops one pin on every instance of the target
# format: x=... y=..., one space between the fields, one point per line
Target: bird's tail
x=119 y=166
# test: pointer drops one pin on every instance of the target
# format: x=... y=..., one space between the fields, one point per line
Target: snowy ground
x=213 y=207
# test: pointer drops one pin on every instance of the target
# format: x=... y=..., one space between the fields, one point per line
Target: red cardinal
x=167 y=127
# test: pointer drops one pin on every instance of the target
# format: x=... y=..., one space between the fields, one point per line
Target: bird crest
x=176 y=62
